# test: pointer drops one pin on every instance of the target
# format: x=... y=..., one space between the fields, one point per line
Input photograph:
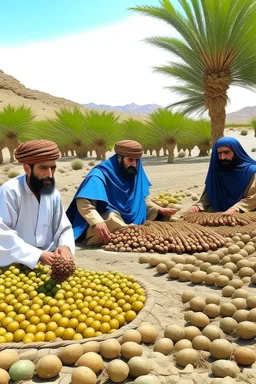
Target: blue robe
x=113 y=191
x=226 y=187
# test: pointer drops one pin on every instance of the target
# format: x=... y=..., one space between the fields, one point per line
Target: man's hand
x=63 y=251
x=47 y=258
x=103 y=232
x=193 y=209
x=230 y=211
x=167 y=211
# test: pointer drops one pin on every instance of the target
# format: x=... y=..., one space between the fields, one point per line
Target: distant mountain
x=132 y=109
x=244 y=115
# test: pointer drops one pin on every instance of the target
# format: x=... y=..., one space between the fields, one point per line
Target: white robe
x=27 y=227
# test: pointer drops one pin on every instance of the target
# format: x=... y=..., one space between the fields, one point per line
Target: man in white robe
x=33 y=223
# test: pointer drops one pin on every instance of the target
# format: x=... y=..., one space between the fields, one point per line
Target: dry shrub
x=12 y=173
x=77 y=164
x=244 y=132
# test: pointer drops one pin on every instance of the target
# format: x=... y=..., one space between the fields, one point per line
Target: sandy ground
x=168 y=308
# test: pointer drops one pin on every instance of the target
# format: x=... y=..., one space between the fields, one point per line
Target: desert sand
x=186 y=173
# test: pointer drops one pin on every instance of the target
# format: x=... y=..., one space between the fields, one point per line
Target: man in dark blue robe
x=230 y=183
x=114 y=194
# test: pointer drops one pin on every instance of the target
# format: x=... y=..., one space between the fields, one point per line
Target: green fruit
x=22 y=370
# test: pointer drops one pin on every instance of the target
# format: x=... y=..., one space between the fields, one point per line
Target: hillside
x=14 y=93
x=43 y=104
x=243 y=115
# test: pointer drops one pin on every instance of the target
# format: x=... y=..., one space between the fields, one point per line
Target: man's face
x=128 y=166
x=226 y=157
x=41 y=177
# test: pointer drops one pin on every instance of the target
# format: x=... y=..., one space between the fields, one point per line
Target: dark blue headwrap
x=113 y=192
x=226 y=187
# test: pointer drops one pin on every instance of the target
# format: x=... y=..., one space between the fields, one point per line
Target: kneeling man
x=113 y=195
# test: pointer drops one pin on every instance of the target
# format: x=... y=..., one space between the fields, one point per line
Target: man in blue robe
x=113 y=195
x=230 y=183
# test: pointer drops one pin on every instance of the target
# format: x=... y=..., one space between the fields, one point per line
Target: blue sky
x=90 y=51
x=32 y=20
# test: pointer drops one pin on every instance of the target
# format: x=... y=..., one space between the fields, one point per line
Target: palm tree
x=197 y=132
x=253 y=123
x=101 y=131
x=216 y=49
x=133 y=129
x=68 y=131
x=164 y=128
x=15 y=124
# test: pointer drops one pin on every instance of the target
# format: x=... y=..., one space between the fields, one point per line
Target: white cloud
x=109 y=65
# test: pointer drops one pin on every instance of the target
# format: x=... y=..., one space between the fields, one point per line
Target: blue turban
x=226 y=187
x=113 y=192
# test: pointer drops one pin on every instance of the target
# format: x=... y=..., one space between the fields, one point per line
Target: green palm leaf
x=216 y=48
x=15 y=125
x=69 y=132
x=164 y=129
x=132 y=129
x=101 y=131
x=198 y=132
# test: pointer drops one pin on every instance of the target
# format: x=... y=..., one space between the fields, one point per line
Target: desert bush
x=77 y=164
x=12 y=173
x=244 y=132
x=91 y=163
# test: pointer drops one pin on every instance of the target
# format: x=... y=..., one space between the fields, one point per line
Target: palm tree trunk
x=11 y=150
x=100 y=152
x=170 y=149
x=2 y=146
x=216 y=102
x=11 y=144
x=204 y=149
x=81 y=151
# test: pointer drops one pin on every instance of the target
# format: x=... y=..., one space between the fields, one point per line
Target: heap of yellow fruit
x=168 y=199
x=34 y=308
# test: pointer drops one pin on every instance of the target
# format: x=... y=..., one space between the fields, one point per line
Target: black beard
x=38 y=186
x=228 y=164
x=129 y=172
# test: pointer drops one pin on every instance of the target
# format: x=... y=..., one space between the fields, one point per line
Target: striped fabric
x=129 y=148
x=37 y=151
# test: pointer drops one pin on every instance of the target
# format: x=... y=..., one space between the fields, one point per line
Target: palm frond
x=101 y=128
x=216 y=38
x=15 y=122
x=132 y=129
x=253 y=122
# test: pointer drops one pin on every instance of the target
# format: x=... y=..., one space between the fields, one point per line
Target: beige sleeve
x=204 y=203
x=248 y=203
x=152 y=209
x=87 y=209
